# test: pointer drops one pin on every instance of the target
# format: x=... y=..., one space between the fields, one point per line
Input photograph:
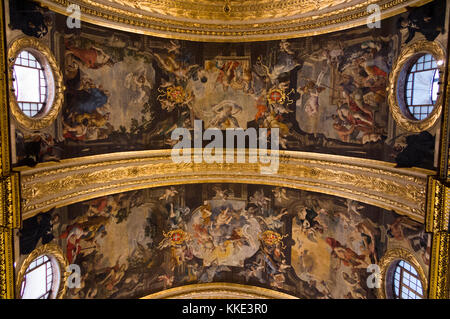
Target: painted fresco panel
x=129 y=92
x=306 y=244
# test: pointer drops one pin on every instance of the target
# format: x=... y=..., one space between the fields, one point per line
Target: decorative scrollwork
x=372 y=182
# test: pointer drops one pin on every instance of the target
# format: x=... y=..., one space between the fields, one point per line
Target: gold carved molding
x=376 y=183
x=56 y=255
x=56 y=91
x=439 y=266
x=438 y=206
x=9 y=188
x=404 y=62
x=437 y=221
x=6 y=263
x=219 y=291
x=387 y=261
x=232 y=21
x=213 y=10
x=10 y=201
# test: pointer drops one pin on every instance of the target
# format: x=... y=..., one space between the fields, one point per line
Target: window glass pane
x=30 y=84
x=410 y=287
x=422 y=87
x=27 y=83
x=35 y=284
x=38 y=279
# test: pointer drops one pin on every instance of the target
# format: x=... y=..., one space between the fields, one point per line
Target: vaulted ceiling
x=105 y=192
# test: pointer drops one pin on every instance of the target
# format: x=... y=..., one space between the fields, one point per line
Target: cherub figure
x=221 y=193
x=280 y=194
x=168 y=193
x=224 y=115
x=313 y=89
x=286 y=47
x=259 y=199
x=138 y=83
x=274 y=222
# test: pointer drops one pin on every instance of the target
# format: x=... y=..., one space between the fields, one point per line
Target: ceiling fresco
x=101 y=185
x=300 y=243
x=129 y=92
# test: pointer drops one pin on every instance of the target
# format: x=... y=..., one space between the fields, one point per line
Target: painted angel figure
x=274 y=222
x=169 y=63
x=224 y=115
x=137 y=84
x=93 y=58
x=279 y=194
x=285 y=46
x=222 y=193
x=168 y=193
x=313 y=89
x=174 y=47
x=286 y=63
x=354 y=207
x=259 y=199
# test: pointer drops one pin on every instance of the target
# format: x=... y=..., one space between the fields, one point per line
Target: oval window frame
x=56 y=255
x=387 y=267
x=55 y=84
x=397 y=83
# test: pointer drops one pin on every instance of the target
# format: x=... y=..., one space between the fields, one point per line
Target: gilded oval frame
x=392 y=257
x=399 y=71
x=56 y=255
x=56 y=89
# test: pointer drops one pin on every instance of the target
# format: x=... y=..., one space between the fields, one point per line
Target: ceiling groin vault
x=100 y=98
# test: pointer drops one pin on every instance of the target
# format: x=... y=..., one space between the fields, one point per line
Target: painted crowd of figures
x=304 y=244
x=129 y=92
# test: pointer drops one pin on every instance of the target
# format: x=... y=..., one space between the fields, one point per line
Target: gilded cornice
x=242 y=21
x=372 y=182
x=219 y=291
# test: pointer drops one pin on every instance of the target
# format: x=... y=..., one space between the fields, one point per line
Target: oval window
x=36 y=83
x=41 y=279
x=422 y=87
x=415 y=86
